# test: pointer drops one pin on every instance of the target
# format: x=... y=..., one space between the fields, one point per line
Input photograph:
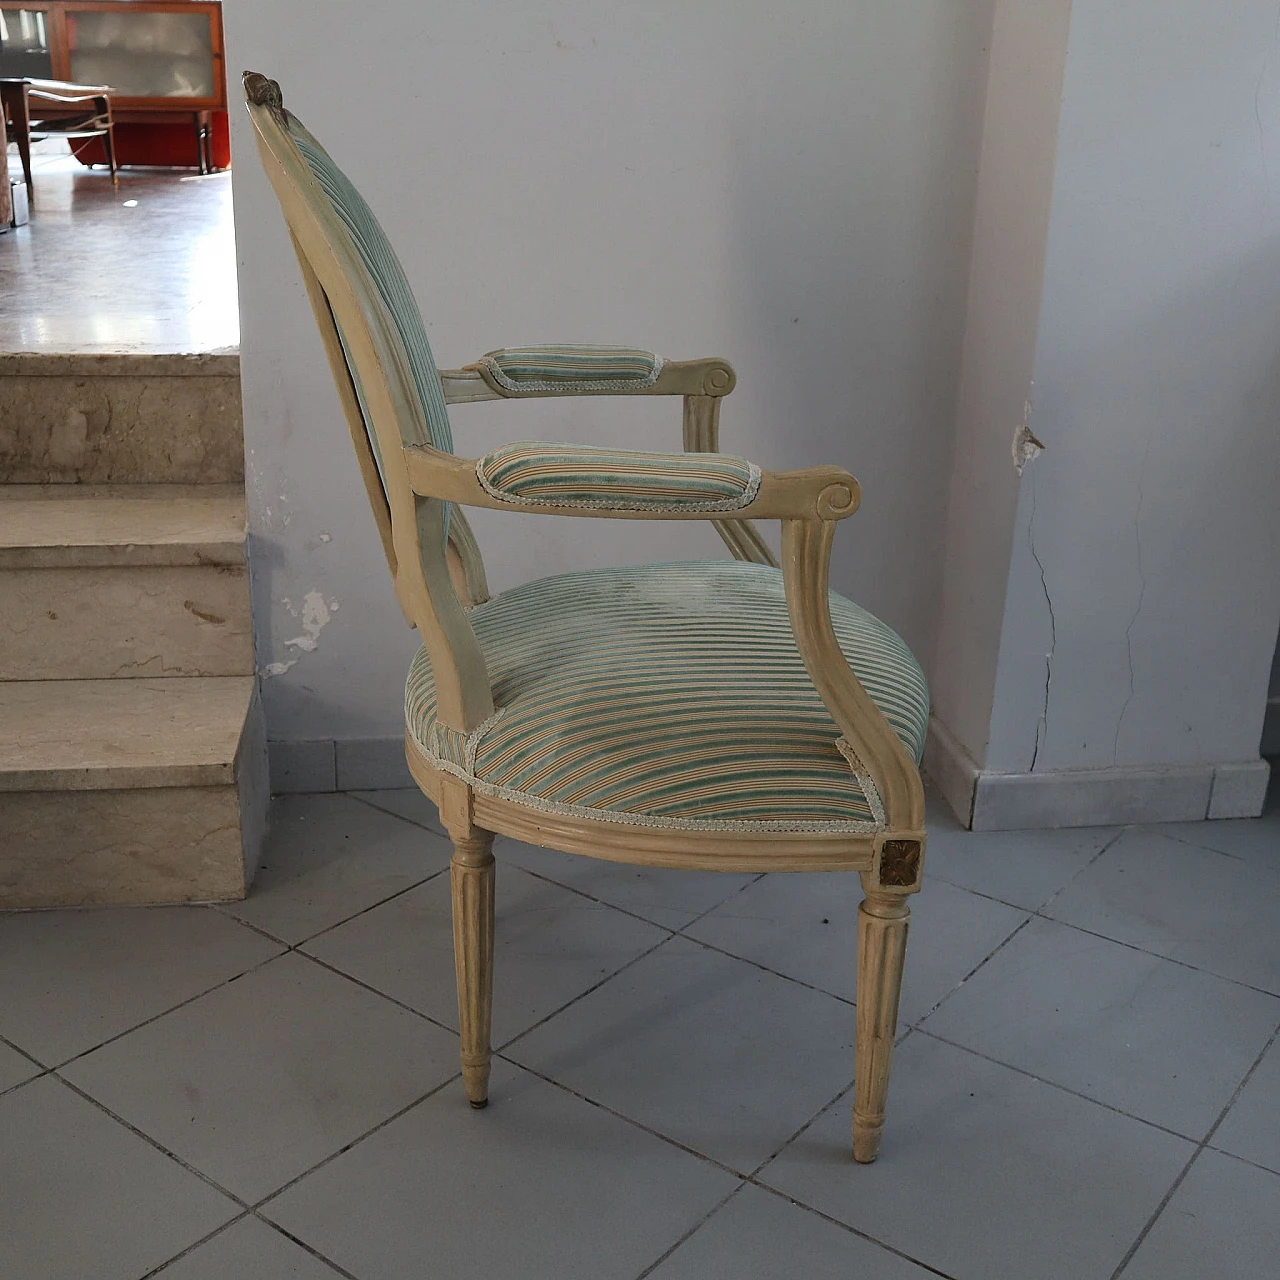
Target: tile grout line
x=155 y=1017
x=755 y=1180
x=590 y=897
x=1156 y=955
x=153 y=1142
x=4 y=1040
x=626 y=1119
x=355 y=915
x=1040 y=914
x=1110 y=844
x=311 y=1249
x=195 y=1244
x=1054 y=1084
x=35 y=1062
x=595 y=986
x=1195 y=1155
x=413 y=822
x=764 y=968
x=1000 y=946
x=257 y=1205
x=853 y=1231
x=662 y=942
x=364 y=986
x=39 y=1075
x=1208 y=848
x=693 y=1230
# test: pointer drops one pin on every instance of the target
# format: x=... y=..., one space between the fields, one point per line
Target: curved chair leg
x=471 y=877
x=882 y=945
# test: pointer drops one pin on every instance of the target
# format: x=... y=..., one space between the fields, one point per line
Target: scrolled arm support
x=806 y=563
x=780 y=495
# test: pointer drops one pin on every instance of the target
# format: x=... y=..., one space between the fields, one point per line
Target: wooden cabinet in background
x=162 y=58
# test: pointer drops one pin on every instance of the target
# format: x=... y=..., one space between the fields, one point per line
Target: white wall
x=790 y=186
x=1011 y=226
x=1153 y=511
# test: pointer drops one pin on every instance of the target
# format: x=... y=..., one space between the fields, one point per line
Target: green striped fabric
x=380 y=259
x=669 y=695
x=571 y=475
x=572 y=367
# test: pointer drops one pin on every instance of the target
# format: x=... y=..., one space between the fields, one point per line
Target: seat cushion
x=669 y=695
x=577 y=475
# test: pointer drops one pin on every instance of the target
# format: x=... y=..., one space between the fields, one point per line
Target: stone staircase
x=132 y=746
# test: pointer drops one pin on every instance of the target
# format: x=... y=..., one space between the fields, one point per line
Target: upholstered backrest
x=387 y=380
x=380 y=259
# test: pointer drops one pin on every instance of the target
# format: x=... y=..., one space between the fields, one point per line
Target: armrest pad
x=569 y=368
x=569 y=475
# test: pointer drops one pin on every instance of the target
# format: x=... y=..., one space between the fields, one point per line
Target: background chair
x=726 y=715
x=36 y=109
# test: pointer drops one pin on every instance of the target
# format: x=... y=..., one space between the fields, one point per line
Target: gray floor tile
x=71 y=979
x=805 y=926
x=1155 y=1039
x=15 y=1068
x=757 y=1236
x=327 y=857
x=668 y=898
x=82 y=1198
x=1023 y=867
x=262 y=1078
x=1252 y=1126
x=550 y=946
x=1204 y=908
x=703 y=1048
x=1223 y=1223
x=406 y=802
x=540 y=1186
x=1255 y=840
x=987 y=1174
x=248 y=1250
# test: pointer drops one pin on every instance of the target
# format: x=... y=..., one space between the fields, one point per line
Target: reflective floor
x=1086 y=1086
x=147 y=267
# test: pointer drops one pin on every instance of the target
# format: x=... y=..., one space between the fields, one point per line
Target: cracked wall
x=1147 y=535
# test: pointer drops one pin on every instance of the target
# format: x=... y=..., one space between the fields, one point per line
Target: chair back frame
x=359 y=330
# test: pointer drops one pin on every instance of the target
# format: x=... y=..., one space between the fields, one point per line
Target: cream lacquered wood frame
x=435 y=577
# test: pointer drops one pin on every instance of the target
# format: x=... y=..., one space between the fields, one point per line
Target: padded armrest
x=581 y=369
x=569 y=368
x=570 y=475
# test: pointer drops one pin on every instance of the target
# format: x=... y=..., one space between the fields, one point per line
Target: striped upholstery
x=669 y=695
x=571 y=367
x=570 y=475
x=382 y=264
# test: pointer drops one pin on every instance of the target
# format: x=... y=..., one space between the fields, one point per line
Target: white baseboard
x=987 y=801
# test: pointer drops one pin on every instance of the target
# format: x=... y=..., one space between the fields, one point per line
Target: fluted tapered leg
x=471 y=876
x=882 y=945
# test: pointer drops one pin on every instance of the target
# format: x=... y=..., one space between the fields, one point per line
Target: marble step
x=118 y=418
x=130 y=791
x=101 y=581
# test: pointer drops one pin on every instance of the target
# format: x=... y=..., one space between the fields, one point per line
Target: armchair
x=728 y=715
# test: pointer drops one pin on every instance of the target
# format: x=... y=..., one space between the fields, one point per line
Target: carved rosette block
x=900 y=863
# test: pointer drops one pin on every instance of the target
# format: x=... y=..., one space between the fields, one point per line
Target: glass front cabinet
x=155 y=56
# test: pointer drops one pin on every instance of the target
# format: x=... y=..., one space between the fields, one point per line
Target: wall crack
x=1042 y=725
x=1142 y=591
